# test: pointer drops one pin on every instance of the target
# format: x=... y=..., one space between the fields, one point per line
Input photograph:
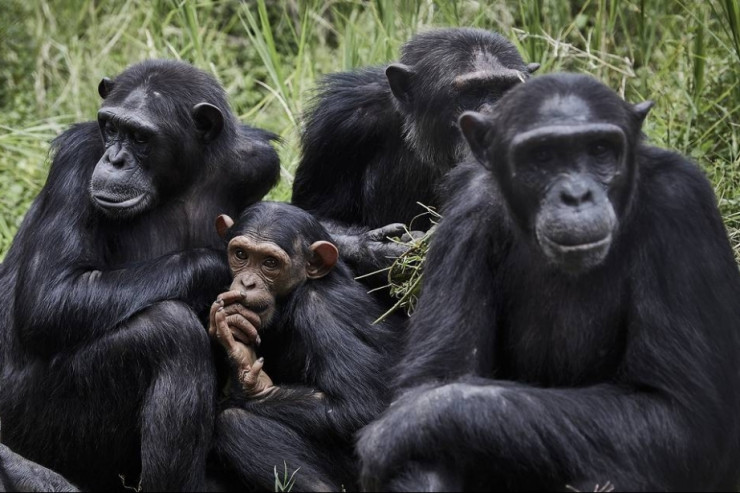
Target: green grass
x=269 y=54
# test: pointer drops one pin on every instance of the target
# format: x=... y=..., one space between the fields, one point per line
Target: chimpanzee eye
x=543 y=154
x=240 y=254
x=271 y=263
x=110 y=130
x=140 y=138
x=600 y=150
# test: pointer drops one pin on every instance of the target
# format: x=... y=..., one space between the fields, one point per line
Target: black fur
x=19 y=474
x=369 y=159
x=106 y=367
x=322 y=340
x=521 y=376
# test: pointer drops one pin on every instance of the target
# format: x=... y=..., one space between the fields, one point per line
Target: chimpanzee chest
x=562 y=331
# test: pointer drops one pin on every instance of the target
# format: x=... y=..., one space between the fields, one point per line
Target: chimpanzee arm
x=367 y=250
x=463 y=257
x=65 y=294
x=672 y=406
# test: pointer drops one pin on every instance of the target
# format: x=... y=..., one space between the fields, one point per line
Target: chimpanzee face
x=123 y=182
x=445 y=77
x=146 y=159
x=265 y=273
x=564 y=170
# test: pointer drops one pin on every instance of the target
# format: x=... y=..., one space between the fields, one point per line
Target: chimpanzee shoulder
x=351 y=118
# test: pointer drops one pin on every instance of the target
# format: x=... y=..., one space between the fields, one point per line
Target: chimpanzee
x=19 y=474
x=378 y=140
x=298 y=308
x=579 y=323
x=106 y=366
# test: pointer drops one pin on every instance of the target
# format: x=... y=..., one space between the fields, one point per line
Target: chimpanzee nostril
x=574 y=195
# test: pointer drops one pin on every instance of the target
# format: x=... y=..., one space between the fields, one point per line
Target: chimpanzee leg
x=253 y=447
x=178 y=408
x=139 y=399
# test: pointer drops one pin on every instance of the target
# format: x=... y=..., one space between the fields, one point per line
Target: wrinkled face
x=128 y=178
x=146 y=159
x=565 y=174
x=264 y=272
x=563 y=163
x=432 y=104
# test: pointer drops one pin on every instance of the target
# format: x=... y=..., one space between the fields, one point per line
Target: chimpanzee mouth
x=114 y=203
x=580 y=247
x=257 y=307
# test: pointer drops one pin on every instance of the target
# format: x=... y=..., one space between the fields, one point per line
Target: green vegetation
x=269 y=53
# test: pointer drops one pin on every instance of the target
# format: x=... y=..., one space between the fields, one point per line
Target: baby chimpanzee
x=294 y=305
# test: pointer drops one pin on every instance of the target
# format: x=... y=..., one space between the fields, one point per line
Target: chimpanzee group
x=578 y=324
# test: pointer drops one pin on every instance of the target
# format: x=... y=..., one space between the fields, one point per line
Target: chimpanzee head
x=444 y=73
x=273 y=249
x=160 y=121
x=562 y=148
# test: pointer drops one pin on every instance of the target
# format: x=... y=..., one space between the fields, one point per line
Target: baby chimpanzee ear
x=223 y=223
x=324 y=258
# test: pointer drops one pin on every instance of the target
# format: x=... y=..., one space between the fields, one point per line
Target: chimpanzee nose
x=249 y=282
x=575 y=193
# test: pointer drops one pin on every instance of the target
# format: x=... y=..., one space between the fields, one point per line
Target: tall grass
x=269 y=54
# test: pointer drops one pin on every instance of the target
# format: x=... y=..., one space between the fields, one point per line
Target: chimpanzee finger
x=391 y=230
x=212 y=325
x=410 y=236
x=249 y=375
x=223 y=332
x=240 y=309
x=242 y=329
x=232 y=296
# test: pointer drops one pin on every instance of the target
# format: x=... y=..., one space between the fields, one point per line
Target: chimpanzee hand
x=224 y=328
x=373 y=250
x=243 y=321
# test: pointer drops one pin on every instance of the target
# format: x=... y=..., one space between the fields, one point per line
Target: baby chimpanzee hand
x=233 y=326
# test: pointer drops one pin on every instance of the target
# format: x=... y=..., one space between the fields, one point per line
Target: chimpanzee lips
x=581 y=247
x=113 y=202
x=257 y=307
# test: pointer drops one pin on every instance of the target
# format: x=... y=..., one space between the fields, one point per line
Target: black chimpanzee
x=579 y=323
x=312 y=325
x=106 y=367
x=378 y=140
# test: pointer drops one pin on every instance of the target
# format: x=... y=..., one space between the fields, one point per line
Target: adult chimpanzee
x=312 y=325
x=106 y=367
x=580 y=319
x=378 y=140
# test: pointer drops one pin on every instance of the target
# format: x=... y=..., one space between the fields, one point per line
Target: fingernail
x=219 y=300
x=261 y=360
x=258 y=341
x=220 y=309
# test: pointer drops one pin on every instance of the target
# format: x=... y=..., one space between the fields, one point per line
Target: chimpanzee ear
x=642 y=110
x=400 y=77
x=475 y=127
x=533 y=67
x=325 y=256
x=223 y=223
x=209 y=121
x=105 y=87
